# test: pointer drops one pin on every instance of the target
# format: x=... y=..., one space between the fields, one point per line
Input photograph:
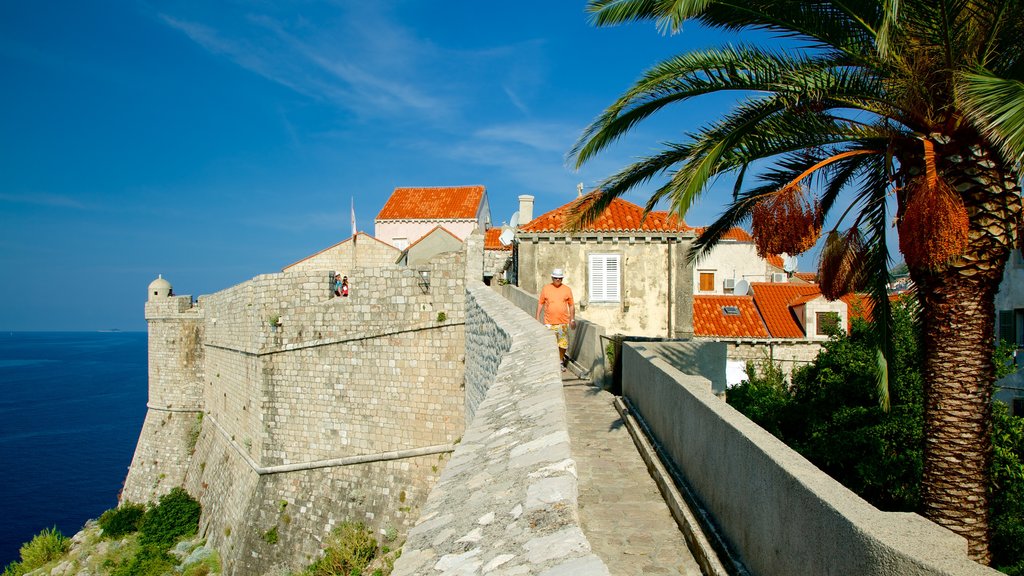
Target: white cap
x=557 y=273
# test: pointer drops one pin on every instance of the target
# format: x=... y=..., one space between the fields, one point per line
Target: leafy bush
x=830 y=414
x=1006 y=491
x=148 y=560
x=176 y=516
x=125 y=519
x=350 y=549
x=762 y=398
x=45 y=547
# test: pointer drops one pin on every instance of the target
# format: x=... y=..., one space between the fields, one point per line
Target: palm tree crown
x=917 y=104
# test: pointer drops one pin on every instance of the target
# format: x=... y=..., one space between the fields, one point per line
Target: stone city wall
x=315 y=410
x=506 y=503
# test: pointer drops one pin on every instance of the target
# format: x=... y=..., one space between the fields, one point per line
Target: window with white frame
x=604 y=273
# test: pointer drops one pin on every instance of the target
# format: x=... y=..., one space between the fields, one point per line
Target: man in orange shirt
x=559 y=311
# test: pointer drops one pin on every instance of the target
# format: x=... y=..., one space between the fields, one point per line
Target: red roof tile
x=773 y=301
x=807 y=276
x=710 y=320
x=491 y=241
x=436 y=203
x=775 y=260
x=620 y=216
x=736 y=234
x=860 y=306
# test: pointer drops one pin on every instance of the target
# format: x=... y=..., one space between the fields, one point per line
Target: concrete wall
x=506 y=503
x=782 y=515
x=656 y=283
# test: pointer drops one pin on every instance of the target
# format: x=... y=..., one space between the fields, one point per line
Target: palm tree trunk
x=958 y=321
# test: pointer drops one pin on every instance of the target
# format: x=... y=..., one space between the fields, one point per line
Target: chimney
x=525 y=209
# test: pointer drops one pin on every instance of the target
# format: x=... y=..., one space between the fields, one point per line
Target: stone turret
x=160 y=288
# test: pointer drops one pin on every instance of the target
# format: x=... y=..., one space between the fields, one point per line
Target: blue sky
x=214 y=141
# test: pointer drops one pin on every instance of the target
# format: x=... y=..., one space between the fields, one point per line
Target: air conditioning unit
x=779 y=277
x=729 y=284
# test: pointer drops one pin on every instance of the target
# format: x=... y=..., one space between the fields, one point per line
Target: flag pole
x=355 y=258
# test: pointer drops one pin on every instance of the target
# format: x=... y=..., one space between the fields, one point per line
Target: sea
x=71 y=409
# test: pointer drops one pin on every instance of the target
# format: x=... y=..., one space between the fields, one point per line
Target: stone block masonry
x=507 y=501
x=314 y=410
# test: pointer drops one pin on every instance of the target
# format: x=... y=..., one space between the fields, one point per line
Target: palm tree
x=911 y=104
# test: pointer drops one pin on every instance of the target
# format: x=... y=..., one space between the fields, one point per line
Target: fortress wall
x=374 y=394
x=487 y=343
x=507 y=501
x=161 y=456
x=345 y=410
x=175 y=399
x=175 y=353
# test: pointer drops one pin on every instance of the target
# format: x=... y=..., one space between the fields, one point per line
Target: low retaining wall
x=586 y=345
x=779 y=512
x=507 y=501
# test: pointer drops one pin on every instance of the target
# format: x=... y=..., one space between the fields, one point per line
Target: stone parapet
x=506 y=503
x=779 y=513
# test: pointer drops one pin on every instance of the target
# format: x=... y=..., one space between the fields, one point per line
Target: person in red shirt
x=559 y=311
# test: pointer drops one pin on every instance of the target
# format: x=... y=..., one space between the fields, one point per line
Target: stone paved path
x=622 y=512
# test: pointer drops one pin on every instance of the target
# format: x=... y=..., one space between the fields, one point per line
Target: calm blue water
x=71 y=408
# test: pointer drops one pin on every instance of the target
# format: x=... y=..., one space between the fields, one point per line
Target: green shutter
x=1007 y=330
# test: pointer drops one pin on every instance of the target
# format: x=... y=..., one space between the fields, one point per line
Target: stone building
x=628 y=274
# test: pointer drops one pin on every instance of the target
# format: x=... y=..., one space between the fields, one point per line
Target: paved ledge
x=506 y=503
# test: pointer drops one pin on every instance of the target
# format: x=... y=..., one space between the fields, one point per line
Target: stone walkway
x=622 y=512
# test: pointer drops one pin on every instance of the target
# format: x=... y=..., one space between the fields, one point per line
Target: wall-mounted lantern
x=424 y=280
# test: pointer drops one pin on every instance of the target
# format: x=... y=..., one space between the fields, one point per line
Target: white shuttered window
x=604 y=274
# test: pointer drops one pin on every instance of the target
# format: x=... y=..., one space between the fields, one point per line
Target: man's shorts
x=561 y=334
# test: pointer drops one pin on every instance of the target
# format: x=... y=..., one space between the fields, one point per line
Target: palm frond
x=995 y=106
x=874 y=221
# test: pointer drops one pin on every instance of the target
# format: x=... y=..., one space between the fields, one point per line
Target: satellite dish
x=515 y=220
x=789 y=263
x=741 y=288
x=506 y=236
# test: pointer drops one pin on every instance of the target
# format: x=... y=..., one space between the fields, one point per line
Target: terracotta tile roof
x=775 y=260
x=491 y=241
x=436 y=203
x=620 y=216
x=811 y=277
x=710 y=320
x=773 y=301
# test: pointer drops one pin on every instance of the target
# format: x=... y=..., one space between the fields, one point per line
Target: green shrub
x=149 y=560
x=122 y=520
x=175 y=517
x=350 y=549
x=45 y=547
x=763 y=397
x=1006 y=491
x=831 y=416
